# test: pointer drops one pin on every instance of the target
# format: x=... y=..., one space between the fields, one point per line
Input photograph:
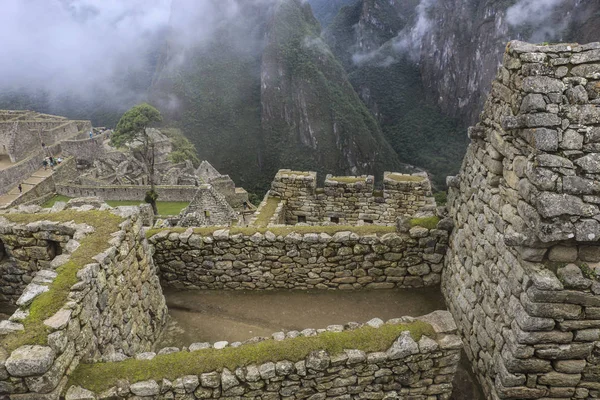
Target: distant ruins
x=516 y=254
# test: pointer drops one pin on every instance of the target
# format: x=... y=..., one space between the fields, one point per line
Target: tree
x=132 y=130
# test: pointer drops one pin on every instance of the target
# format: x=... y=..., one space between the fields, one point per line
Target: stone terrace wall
x=85 y=149
x=525 y=206
x=100 y=320
x=408 y=370
x=351 y=200
x=130 y=193
x=300 y=261
x=12 y=176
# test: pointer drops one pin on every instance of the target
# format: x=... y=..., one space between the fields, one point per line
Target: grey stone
x=542 y=138
x=228 y=380
x=30 y=361
x=199 y=346
x=553 y=205
x=145 y=356
x=145 y=388
x=210 y=380
x=533 y=103
x=8 y=327
x=318 y=360
x=403 y=347
x=30 y=293
x=79 y=393
x=220 y=345
x=542 y=84
x=572 y=277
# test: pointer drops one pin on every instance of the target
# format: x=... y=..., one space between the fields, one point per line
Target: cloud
x=539 y=16
x=89 y=48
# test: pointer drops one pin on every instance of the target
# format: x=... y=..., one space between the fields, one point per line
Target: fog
x=109 y=48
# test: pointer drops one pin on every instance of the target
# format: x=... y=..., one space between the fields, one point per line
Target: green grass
x=266 y=213
x=284 y=230
x=164 y=207
x=101 y=376
x=405 y=178
x=347 y=179
x=50 y=203
x=428 y=222
x=48 y=303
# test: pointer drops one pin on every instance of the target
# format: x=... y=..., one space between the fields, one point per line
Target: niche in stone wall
x=335 y=220
x=368 y=221
x=301 y=219
x=3 y=254
x=54 y=249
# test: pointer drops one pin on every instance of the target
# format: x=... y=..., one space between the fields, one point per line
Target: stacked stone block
x=27 y=250
x=521 y=271
x=351 y=200
x=408 y=370
x=317 y=260
x=100 y=321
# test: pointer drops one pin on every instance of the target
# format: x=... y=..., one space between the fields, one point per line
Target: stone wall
x=85 y=149
x=130 y=193
x=64 y=172
x=521 y=276
x=208 y=208
x=99 y=321
x=346 y=260
x=408 y=370
x=12 y=176
x=351 y=200
x=27 y=250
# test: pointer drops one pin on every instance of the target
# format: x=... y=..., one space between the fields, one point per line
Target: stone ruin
x=521 y=273
x=515 y=253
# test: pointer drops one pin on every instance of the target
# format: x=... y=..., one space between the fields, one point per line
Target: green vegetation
x=59 y=197
x=48 y=303
x=267 y=212
x=102 y=376
x=441 y=198
x=427 y=222
x=347 y=179
x=164 y=207
x=285 y=230
x=405 y=178
x=183 y=149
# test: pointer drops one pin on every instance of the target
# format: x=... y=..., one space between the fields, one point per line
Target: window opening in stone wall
x=335 y=220
x=368 y=221
x=301 y=219
x=54 y=249
x=3 y=255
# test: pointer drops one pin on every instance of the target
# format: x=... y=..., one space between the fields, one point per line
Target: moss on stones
x=427 y=222
x=101 y=376
x=48 y=303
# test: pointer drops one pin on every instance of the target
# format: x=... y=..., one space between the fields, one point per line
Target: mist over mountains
x=337 y=86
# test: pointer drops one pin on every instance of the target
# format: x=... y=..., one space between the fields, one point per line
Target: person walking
x=20 y=188
x=45 y=163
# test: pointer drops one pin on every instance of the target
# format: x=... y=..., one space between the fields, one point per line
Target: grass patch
x=427 y=222
x=347 y=179
x=267 y=212
x=101 y=376
x=301 y=173
x=164 y=207
x=405 y=178
x=59 y=197
x=283 y=230
x=47 y=304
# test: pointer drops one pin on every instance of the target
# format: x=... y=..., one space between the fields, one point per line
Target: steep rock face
x=366 y=38
x=264 y=92
x=326 y=10
x=462 y=50
x=311 y=116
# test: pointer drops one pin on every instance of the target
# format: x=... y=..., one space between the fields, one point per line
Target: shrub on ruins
x=183 y=149
x=132 y=130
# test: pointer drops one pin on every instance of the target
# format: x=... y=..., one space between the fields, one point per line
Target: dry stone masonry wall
x=408 y=370
x=291 y=260
x=521 y=276
x=351 y=200
x=99 y=321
